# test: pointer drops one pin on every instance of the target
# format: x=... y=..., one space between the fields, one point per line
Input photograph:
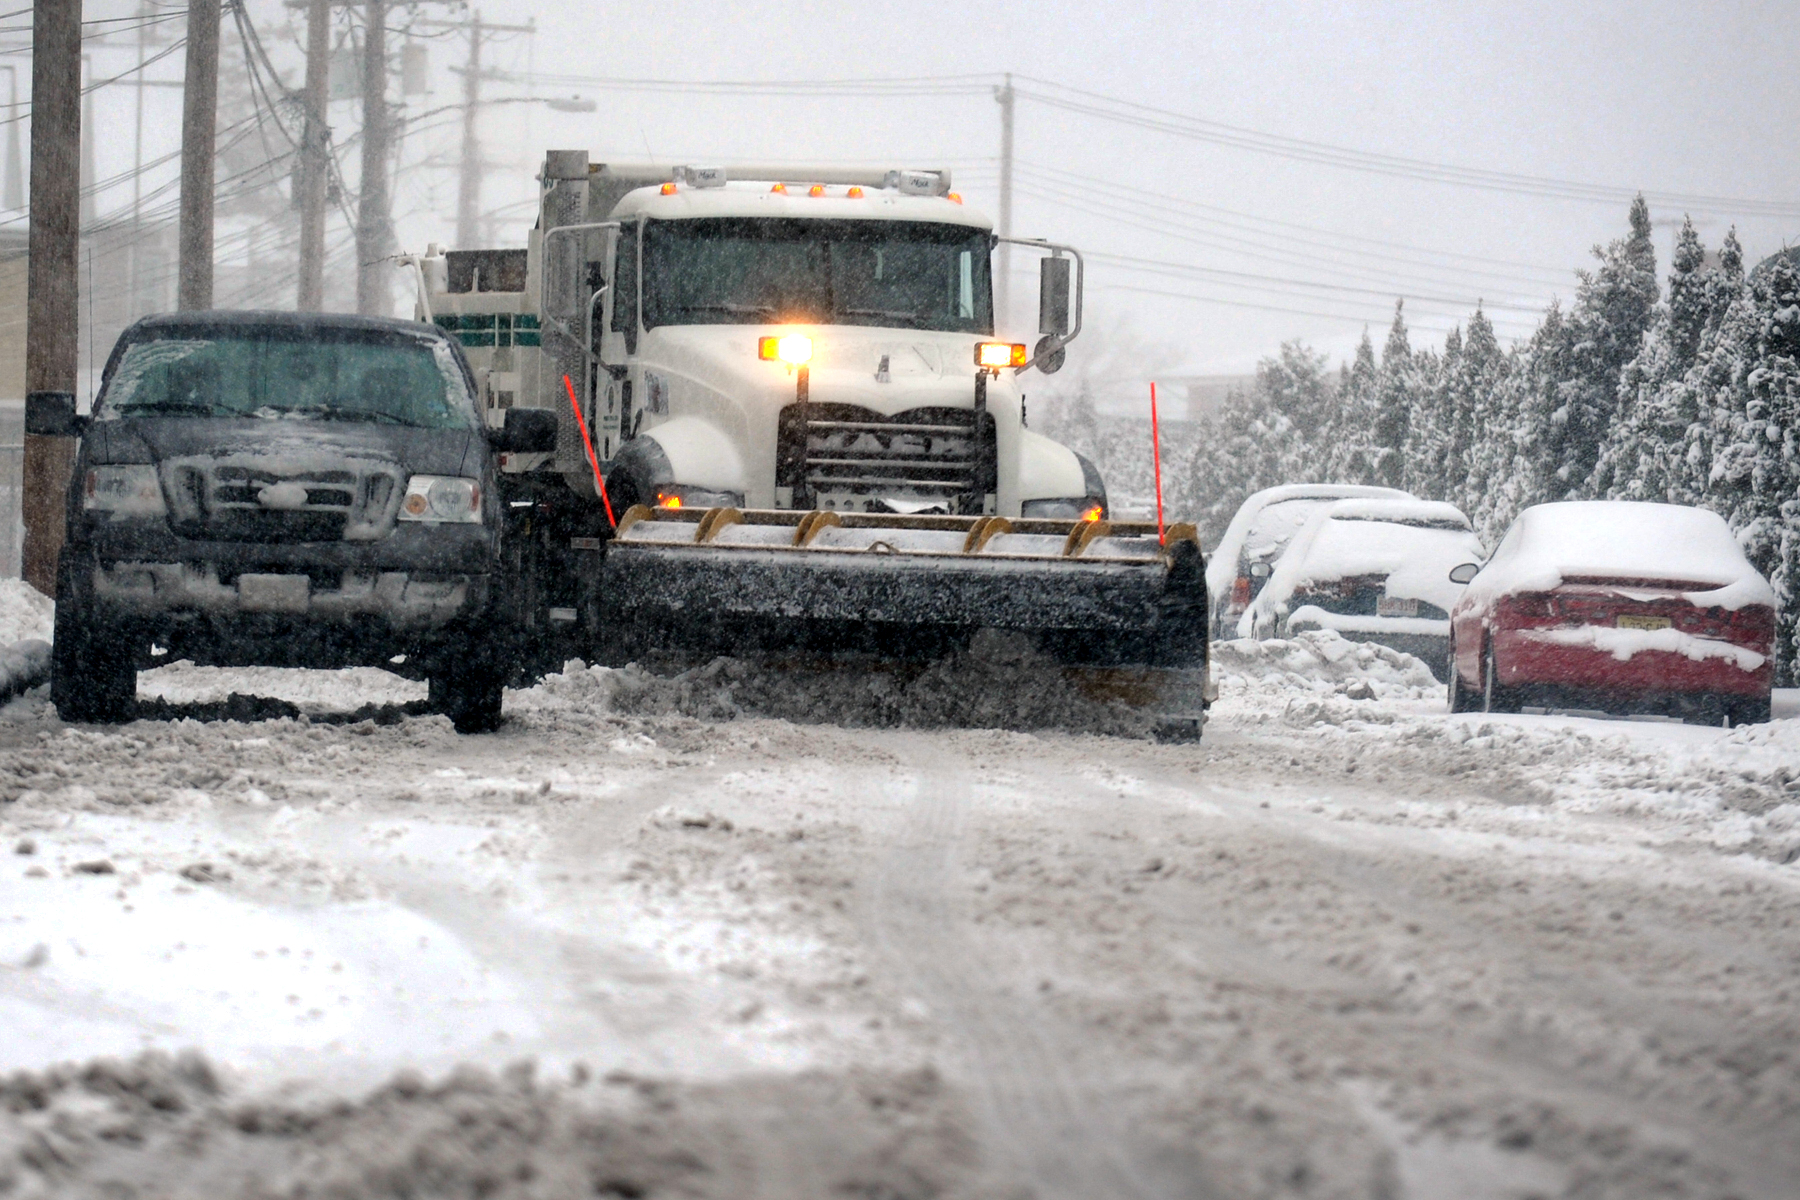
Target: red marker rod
x=1156 y=458
x=595 y=462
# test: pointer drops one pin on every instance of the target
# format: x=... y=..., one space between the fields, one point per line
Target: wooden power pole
x=315 y=165
x=374 y=223
x=199 y=119
x=52 y=306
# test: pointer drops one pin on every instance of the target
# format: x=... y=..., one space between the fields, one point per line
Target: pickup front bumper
x=406 y=601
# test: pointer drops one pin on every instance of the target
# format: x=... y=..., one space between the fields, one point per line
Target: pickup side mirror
x=527 y=431
x=1464 y=572
x=52 y=414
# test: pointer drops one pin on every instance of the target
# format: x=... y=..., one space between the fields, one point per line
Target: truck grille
x=842 y=452
x=224 y=501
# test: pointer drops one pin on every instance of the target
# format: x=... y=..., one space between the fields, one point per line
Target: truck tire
x=469 y=694
x=93 y=665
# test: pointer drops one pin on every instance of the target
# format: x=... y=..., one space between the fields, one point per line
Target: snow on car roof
x=1427 y=514
x=1342 y=543
x=1221 y=568
x=1623 y=540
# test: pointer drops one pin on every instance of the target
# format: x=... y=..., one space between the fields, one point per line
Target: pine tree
x=1350 y=457
x=1614 y=308
x=1431 y=420
x=1393 y=404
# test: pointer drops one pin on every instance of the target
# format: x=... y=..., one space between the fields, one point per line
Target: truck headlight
x=125 y=491
x=676 y=495
x=1078 y=508
x=441 y=498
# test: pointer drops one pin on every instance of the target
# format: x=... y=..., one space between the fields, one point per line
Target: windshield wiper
x=893 y=314
x=730 y=308
x=337 y=412
x=166 y=406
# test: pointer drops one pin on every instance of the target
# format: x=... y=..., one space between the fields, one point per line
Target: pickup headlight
x=1078 y=508
x=442 y=498
x=127 y=491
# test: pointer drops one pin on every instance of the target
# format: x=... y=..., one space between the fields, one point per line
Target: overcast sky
x=1252 y=248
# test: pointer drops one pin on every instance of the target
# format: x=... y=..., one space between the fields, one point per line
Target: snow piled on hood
x=1623 y=539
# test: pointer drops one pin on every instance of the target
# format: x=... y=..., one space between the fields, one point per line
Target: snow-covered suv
x=284 y=489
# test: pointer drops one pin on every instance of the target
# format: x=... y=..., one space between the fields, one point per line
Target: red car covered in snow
x=1615 y=605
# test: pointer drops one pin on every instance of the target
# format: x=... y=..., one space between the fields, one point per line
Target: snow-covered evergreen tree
x=1613 y=310
x=1393 y=404
x=1349 y=457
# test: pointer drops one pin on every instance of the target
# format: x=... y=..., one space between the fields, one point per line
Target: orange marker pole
x=589 y=443
x=1156 y=458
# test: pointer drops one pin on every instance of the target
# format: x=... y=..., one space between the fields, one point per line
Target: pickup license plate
x=1396 y=606
x=274 y=593
x=1644 y=622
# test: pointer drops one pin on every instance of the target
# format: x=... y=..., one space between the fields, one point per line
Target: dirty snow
x=648 y=940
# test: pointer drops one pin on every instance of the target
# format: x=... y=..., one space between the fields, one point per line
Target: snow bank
x=23 y=665
x=1628 y=540
x=25 y=613
x=1321 y=657
x=1624 y=644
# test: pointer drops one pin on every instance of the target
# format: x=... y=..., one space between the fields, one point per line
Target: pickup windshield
x=765 y=271
x=289 y=375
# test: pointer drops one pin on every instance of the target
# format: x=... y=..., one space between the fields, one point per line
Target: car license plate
x=1644 y=622
x=1396 y=606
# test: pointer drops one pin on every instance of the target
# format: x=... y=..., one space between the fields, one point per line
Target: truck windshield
x=760 y=271
x=289 y=374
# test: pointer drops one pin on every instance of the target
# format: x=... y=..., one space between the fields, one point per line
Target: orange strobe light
x=668 y=189
x=665 y=500
x=794 y=349
x=993 y=356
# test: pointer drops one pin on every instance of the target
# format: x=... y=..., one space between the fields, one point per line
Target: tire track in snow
x=1042 y=1128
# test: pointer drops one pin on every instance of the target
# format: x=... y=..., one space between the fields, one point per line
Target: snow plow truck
x=787 y=431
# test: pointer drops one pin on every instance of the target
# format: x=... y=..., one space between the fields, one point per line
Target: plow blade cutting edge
x=1123 y=615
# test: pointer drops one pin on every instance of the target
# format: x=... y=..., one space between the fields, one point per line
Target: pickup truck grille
x=225 y=501
x=842 y=452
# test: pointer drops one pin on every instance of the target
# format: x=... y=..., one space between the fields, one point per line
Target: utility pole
x=199 y=119
x=315 y=165
x=468 y=184
x=468 y=190
x=374 y=223
x=137 y=173
x=52 y=306
x=1003 y=285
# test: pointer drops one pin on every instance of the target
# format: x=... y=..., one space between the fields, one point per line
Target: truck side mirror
x=52 y=414
x=1261 y=570
x=527 y=431
x=1464 y=572
x=1053 y=296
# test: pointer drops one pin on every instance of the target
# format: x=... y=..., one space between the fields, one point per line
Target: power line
x=1161 y=120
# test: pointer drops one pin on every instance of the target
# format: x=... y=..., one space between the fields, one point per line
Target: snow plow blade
x=1122 y=614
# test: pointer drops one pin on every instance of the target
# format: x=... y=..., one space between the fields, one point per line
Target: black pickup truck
x=285 y=489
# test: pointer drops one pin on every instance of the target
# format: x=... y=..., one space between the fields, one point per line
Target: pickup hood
x=279 y=481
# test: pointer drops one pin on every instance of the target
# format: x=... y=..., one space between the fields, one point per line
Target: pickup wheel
x=469 y=694
x=93 y=664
